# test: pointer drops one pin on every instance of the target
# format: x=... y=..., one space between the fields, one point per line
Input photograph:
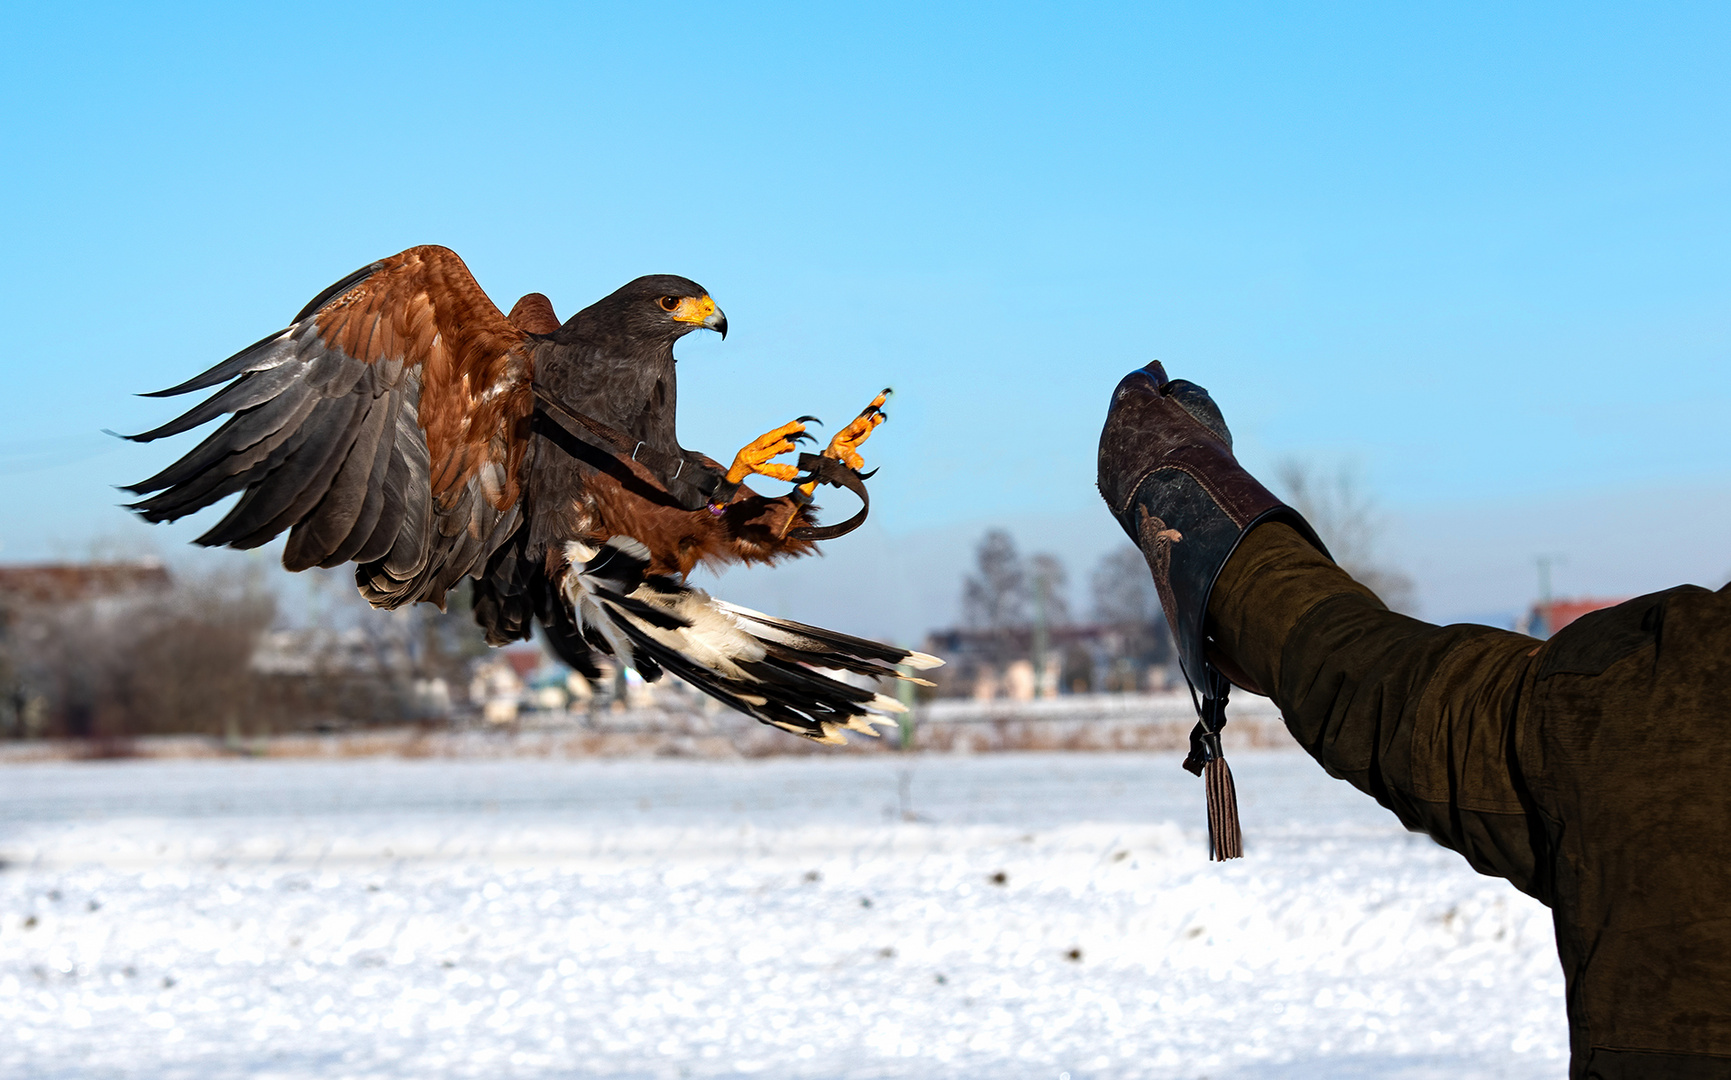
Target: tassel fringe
x=1225 y=839
x=1208 y=760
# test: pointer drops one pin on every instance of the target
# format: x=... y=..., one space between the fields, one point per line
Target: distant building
x=987 y=665
x=526 y=684
x=68 y=583
x=511 y=680
x=1544 y=619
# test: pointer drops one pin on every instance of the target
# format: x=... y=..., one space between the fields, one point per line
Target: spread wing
x=385 y=426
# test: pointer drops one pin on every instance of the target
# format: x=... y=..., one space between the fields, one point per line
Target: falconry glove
x=1167 y=473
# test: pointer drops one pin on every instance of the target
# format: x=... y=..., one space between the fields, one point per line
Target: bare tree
x=1346 y=519
x=1049 y=587
x=190 y=663
x=353 y=663
x=1127 y=605
x=148 y=661
x=995 y=596
x=1124 y=593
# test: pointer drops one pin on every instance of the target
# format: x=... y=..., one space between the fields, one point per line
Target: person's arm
x=1420 y=717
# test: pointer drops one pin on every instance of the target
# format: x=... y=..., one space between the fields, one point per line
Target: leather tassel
x=1225 y=839
x=1207 y=759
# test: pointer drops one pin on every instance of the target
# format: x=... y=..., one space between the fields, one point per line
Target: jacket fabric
x=1593 y=771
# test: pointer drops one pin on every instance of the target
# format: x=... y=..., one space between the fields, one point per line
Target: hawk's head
x=660 y=309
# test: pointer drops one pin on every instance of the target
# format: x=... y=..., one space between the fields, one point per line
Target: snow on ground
x=1039 y=916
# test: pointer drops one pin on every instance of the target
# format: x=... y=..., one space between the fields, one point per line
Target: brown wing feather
x=388 y=423
x=534 y=313
x=423 y=309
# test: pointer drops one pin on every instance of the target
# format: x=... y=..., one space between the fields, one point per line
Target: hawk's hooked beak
x=701 y=311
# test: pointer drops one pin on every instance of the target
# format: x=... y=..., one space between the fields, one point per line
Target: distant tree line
x=96 y=653
x=86 y=652
x=1016 y=610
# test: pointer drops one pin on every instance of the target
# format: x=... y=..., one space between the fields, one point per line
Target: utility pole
x=907 y=720
x=1039 y=657
x=1541 y=627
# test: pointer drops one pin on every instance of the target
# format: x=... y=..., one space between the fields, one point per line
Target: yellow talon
x=844 y=447
x=755 y=456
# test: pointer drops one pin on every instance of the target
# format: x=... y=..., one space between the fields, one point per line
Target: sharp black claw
x=803 y=437
x=808 y=420
x=867 y=475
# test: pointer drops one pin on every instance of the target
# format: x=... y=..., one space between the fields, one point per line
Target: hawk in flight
x=403 y=423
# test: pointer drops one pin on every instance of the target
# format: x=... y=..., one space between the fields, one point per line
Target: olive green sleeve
x=1420 y=717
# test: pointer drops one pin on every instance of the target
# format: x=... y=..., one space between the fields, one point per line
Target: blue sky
x=1484 y=254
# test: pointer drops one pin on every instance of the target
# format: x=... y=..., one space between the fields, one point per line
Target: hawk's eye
x=669 y=303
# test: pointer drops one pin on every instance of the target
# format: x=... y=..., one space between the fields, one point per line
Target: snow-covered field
x=1042 y=916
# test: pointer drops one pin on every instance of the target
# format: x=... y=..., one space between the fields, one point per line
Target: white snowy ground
x=775 y=919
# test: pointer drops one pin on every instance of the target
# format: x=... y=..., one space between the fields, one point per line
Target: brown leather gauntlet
x=1167 y=473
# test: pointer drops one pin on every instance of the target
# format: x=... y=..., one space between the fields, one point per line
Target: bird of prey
x=403 y=423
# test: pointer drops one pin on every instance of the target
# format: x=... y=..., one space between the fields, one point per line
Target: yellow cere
x=694 y=310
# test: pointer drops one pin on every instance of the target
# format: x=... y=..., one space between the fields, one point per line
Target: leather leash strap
x=664 y=467
x=817 y=468
x=829 y=471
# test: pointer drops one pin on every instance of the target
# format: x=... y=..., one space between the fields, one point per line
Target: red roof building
x=1544 y=620
x=59 y=583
